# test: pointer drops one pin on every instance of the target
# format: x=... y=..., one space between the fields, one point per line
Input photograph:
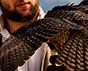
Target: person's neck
x=12 y=25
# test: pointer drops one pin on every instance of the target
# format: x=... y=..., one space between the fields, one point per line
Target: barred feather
x=65 y=29
x=23 y=46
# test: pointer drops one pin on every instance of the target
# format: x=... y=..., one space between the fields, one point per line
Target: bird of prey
x=64 y=28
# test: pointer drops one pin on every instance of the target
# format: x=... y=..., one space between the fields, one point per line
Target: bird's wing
x=73 y=53
x=57 y=31
x=76 y=13
x=23 y=42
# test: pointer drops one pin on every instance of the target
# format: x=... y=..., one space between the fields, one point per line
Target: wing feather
x=63 y=28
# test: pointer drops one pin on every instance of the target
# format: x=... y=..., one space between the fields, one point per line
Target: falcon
x=64 y=29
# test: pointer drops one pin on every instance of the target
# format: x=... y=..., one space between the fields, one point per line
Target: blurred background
x=49 y=4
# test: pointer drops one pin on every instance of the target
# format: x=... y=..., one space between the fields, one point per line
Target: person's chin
x=24 y=13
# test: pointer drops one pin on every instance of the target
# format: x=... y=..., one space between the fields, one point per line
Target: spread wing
x=74 y=52
x=76 y=13
x=56 y=31
x=24 y=41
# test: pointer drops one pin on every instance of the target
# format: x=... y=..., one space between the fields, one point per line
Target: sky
x=49 y=4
